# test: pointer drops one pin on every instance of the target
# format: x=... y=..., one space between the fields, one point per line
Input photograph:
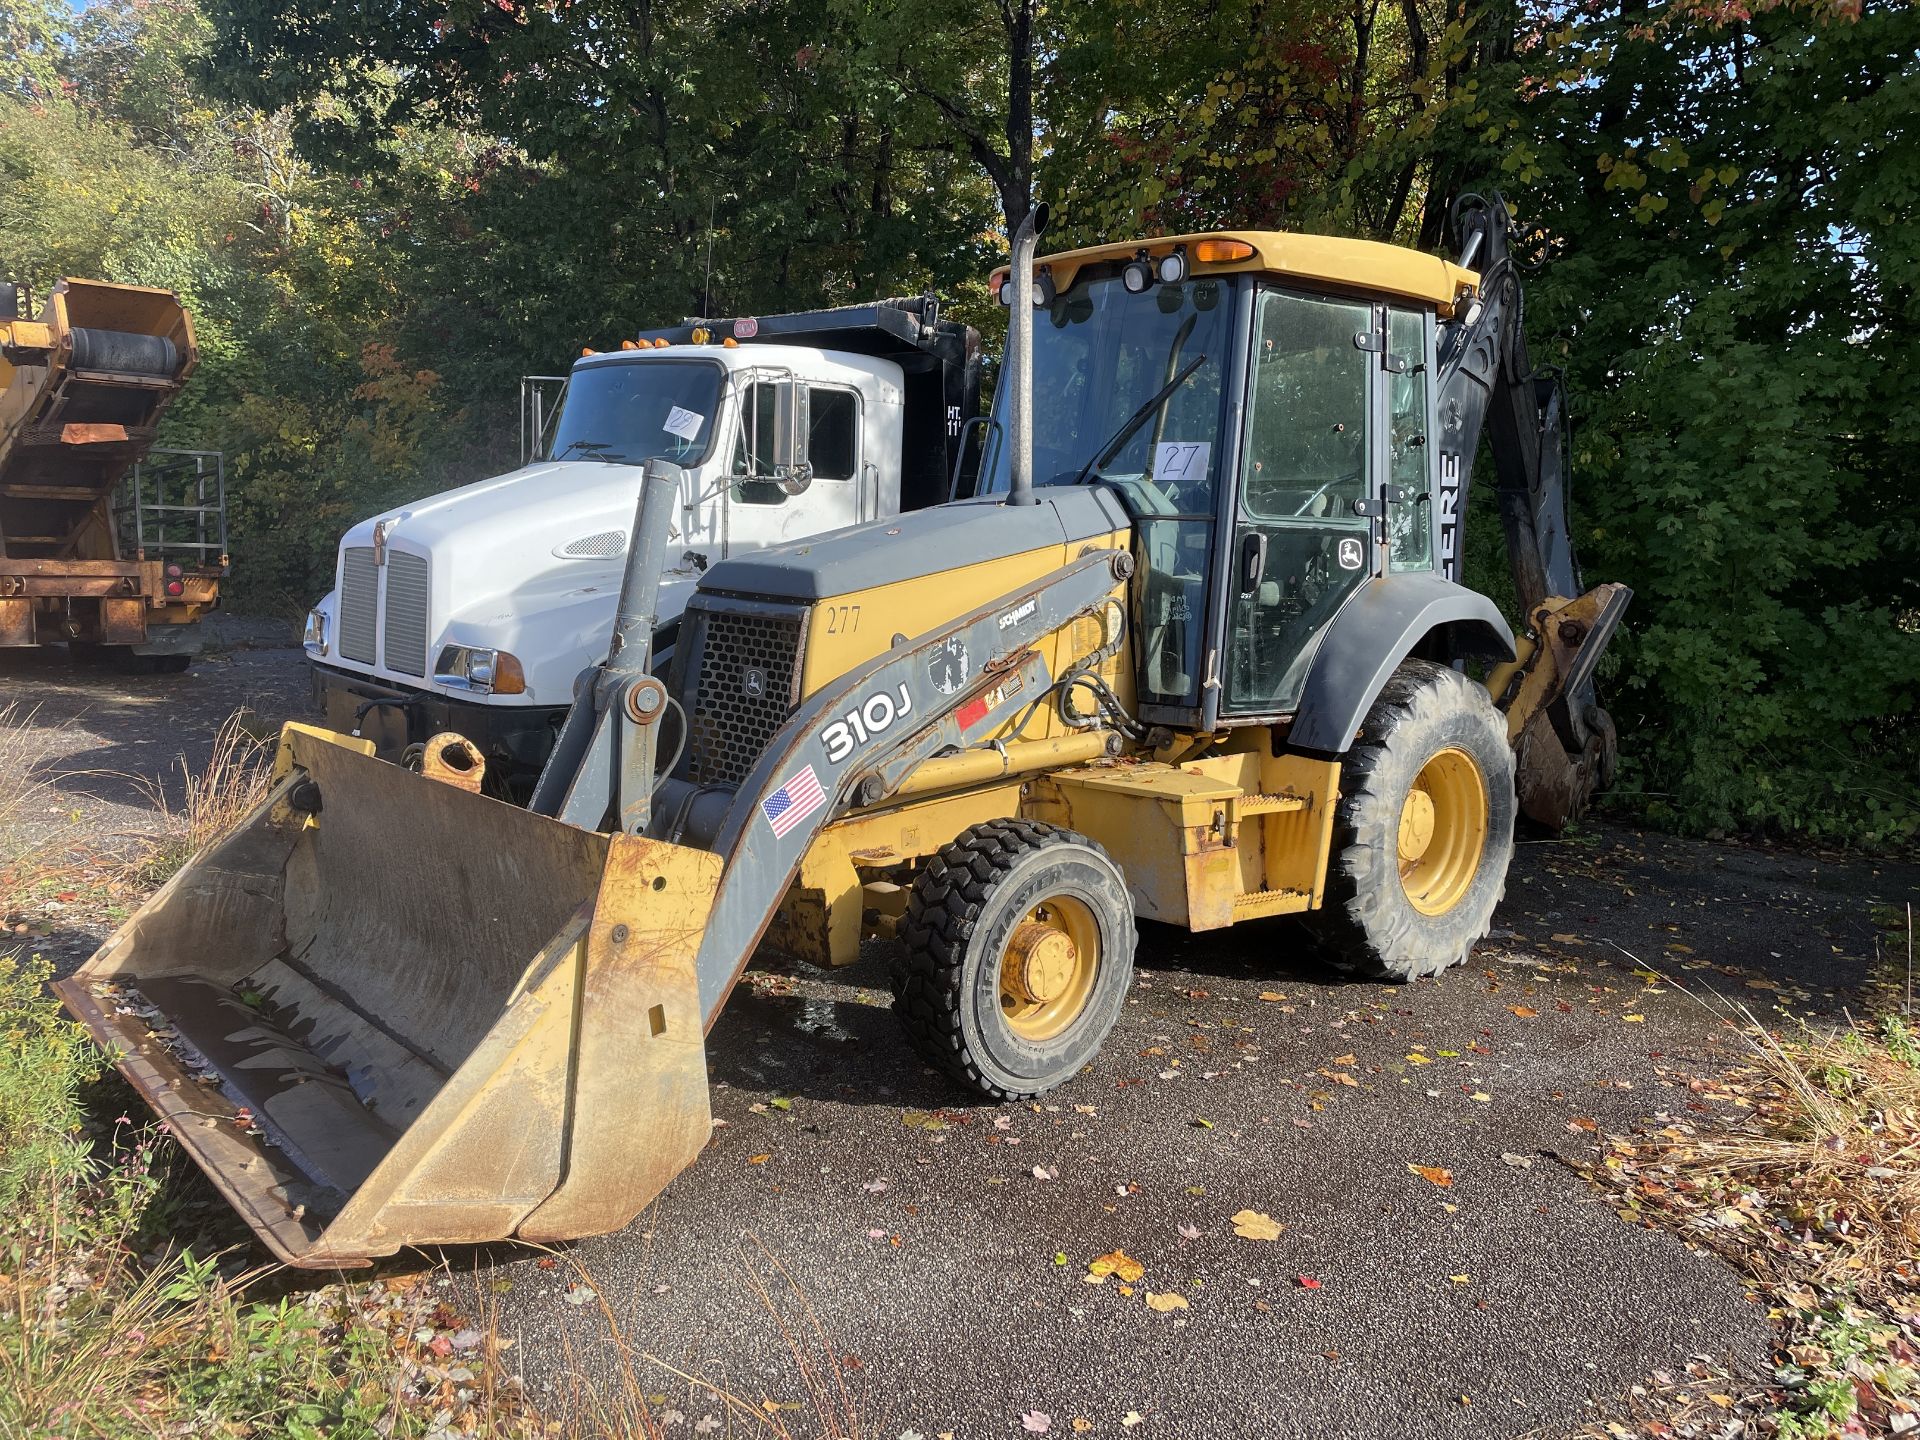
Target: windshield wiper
x=587 y=445
x=1136 y=420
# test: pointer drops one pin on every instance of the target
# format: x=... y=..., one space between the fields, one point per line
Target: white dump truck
x=477 y=609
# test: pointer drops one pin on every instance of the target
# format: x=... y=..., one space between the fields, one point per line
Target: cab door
x=1306 y=532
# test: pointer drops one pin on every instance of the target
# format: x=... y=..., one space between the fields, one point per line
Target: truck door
x=759 y=510
x=1309 y=487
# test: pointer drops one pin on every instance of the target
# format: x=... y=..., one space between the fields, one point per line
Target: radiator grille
x=748 y=667
x=404 y=644
x=359 y=602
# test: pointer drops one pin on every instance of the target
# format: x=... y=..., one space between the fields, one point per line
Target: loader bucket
x=386 y=1011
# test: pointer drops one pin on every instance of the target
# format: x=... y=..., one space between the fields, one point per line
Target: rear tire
x=1423 y=833
x=1018 y=950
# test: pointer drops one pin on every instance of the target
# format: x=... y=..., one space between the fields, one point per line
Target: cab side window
x=1306 y=453
x=1410 y=518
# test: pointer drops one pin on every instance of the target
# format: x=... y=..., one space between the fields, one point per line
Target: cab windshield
x=1099 y=355
x=629 y=411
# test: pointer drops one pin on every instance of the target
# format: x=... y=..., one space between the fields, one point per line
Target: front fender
x=1372 y=634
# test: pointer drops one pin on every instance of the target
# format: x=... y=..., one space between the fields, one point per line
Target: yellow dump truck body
x=82 y=389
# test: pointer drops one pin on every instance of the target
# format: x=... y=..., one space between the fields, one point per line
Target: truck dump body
x=82 y=390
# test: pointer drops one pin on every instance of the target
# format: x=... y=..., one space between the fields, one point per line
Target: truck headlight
x=315 y=638
x=474 y=667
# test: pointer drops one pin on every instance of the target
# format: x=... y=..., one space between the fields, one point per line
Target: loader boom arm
x=1487 y=380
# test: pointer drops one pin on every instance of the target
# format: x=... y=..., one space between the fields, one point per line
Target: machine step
x=1255 y=903
x=1270 y=804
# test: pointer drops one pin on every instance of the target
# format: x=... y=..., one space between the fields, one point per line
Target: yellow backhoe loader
x=1198 y=652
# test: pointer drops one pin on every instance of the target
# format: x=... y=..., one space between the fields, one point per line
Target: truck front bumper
x=516 y=739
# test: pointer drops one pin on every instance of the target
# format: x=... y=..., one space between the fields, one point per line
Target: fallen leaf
x=1117 y=1262
x=1081 y=1424
x=1256 y=1225
x=1634 y=1019
x=1046 y=1172
x=780 y=1102
x=1525 y=1012
x=1340 y=1077
x=1460 y=1279
x=1133 y=1418
x=1346 y=1059
x=1306 y=1282
x=1416 y=1058
x=1271 y=996
x=1581 y=1122
x=1519 y=1162
x=1036 y=1422
x=1439 y=1175
x=758 y=1159
x=1191 y=1232
x=1164 y=1303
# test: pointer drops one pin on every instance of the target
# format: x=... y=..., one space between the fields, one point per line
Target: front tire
x=1423 y=833
x=1018 y=950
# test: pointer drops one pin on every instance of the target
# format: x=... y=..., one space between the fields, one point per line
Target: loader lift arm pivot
x=1564 y=738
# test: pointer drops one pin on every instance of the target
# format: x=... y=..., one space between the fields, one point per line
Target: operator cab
x=1269 y=427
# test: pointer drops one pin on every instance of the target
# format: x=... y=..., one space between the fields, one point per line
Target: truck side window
x=833 y=437
x=833 y=442
x=753 y=482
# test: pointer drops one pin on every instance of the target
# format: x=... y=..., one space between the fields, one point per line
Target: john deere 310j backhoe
x=1195 y=653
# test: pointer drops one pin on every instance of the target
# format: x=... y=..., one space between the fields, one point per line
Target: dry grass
x=1835 y=1149
x=21 y=791
x=214 y=800
x=1811 y=1188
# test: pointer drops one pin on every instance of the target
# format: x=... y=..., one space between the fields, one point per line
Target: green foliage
x=44 y=1059
x=381 y=218
x=1733 y=204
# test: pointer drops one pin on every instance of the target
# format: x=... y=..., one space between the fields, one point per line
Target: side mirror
x=790 y=429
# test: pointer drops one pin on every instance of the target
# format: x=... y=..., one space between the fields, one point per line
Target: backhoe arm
x=1564 y=738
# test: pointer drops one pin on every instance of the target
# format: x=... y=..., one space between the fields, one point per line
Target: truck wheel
x=1423 y=833
x=1018 y=942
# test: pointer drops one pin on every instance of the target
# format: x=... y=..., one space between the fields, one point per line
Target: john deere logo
x=753 y=684
x=1352 y=555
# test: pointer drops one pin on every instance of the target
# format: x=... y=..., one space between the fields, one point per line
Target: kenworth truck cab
x=476 y=610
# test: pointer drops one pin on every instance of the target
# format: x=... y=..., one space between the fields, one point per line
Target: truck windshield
x=634 y=410
x=1099 y=354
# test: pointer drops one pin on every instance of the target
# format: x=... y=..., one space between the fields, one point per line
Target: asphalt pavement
x=857 y=1217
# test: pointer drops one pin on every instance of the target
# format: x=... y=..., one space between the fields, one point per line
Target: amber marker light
x=1221 y=252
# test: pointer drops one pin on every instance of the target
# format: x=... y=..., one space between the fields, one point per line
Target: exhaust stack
x=1020 y=355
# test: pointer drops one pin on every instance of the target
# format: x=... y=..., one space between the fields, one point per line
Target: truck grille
x=404 y=645
x=749 y=671
x=359 y=602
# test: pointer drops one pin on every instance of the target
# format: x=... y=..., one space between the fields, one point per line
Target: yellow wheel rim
x=1048 y=968
x=1443 y=832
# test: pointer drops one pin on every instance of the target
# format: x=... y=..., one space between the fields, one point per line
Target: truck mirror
x=790 y=424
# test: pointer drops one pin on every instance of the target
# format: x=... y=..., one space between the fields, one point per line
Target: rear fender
x=1372 y=634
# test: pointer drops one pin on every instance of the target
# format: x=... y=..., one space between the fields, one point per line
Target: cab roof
x=1362 y=265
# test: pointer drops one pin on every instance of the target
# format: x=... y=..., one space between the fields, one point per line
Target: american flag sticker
x=793 y=801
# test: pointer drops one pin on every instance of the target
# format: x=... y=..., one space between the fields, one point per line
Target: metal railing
x=173 y=506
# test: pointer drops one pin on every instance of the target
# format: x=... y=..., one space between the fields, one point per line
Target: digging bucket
x=386 y=1012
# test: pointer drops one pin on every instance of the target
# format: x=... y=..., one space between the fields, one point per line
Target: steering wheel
x=1306 y=505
